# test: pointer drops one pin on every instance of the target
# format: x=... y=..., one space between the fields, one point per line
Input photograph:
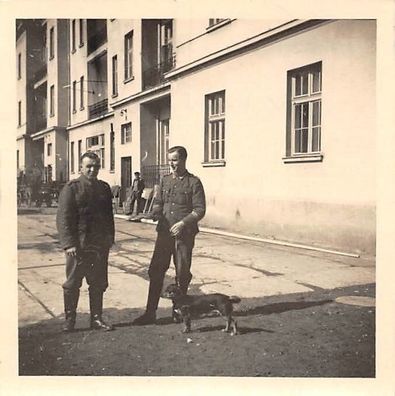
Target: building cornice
x=38 y=135
x=278 y=33
x=92 y=121
x=147 y=94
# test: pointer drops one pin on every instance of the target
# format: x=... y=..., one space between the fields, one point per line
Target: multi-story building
x=42 y=73
x=276 y=116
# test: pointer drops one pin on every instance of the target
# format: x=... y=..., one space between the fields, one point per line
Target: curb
x=249 y=238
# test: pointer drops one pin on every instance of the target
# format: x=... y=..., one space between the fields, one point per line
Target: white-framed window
x=73 y=35
x=96 y=145
x=19 y=66
x=304 y=110
x=81 y=25
x=129 y=55
x=51 y=43
x=112 y=148
x=79 y=154
x=115 y=75
x=82 y=93
x=74 y=96
x=163 y=137
x=126 y=133
x=215 y=127
x=49 y=149
x=19 y=113
x=72 y=157
x=52 y=100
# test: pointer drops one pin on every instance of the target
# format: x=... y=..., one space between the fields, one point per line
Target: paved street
x=316 y=309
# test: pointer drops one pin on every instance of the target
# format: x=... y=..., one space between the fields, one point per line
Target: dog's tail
x=234 y=299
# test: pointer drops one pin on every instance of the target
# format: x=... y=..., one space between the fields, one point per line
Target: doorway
x=126 y=176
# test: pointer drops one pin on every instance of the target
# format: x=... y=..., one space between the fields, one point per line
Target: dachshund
x=185 y=306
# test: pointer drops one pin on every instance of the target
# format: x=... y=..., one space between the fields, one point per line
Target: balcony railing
x=153 y=173
x=96 y=39
x=99 y=108
x=155 y=75
x=40 y=123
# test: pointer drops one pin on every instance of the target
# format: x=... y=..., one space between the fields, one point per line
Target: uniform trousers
x=167 y=246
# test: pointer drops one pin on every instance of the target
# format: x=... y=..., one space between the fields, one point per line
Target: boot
x=96 y=307
x=149 y=316
x=70 y=307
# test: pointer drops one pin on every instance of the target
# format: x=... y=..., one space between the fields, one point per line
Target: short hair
x=91 y=155
x=182 y=151
x=136 y=173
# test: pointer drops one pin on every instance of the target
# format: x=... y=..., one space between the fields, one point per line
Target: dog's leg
x=186 y=319
x=234 y=328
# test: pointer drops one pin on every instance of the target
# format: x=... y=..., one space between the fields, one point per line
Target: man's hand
x=177 y=228
x=71 y=251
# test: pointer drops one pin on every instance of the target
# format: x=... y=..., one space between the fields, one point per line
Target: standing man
x=86 y=230
x=179 y=205
x=134 y=195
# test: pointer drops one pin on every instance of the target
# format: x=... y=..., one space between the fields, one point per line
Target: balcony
x=153 y=173
x=40 y=73
x=154 y=76
x=40 y=123
x=97 y=109
x=97 y=34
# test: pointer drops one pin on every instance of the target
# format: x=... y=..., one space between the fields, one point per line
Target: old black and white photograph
x=197 y=197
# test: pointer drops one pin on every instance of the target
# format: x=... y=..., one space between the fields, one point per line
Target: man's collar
x=180 y=176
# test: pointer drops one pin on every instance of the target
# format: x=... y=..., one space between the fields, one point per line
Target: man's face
x=90 y=168
x=177 y=164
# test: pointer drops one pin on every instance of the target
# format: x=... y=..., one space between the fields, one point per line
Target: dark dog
x=185 y=306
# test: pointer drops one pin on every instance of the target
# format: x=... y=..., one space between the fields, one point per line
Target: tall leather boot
x=149 y=316
x=96 y=307
x=70 y=298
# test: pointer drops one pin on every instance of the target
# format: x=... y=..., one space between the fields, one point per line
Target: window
x=72 y=157
x=79 y=153
x=96 y=144
x=52 y=100
x=49 y=149
x=112 y=149
x=304 y=111
x=19 y=113
x=73 y=35
x=82 y=93
x=129 y=55
x=81 y=32
x=126 y=133
x=19 y=66
x=17 y=160
x=51 y=43
x=215 y=127
x=74 y=96
x=114 y=75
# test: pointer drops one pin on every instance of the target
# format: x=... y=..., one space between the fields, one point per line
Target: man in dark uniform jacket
x=179 y=204
x=86 y=230
x=134 y=195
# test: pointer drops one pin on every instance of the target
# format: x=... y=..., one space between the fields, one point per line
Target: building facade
x=277 y=116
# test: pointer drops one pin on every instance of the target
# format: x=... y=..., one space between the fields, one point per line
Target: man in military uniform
x=86 y=230
x=134 y=194
x=179 y=204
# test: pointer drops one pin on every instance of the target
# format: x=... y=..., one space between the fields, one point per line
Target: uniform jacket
x=84 y=217
x=179 y=199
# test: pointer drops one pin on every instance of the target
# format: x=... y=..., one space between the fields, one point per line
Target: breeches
x=166 y=247
x=89 y=264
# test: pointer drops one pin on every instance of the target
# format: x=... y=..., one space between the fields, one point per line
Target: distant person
x=179 y=204
x=86 y=230
x=133 y=195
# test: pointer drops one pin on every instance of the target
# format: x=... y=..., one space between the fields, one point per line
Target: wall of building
x=82 y=133
x=117 y=29
x=21 y=48
x=60 y=153
x=194 y=39
x=330 y=203
x=62 y=102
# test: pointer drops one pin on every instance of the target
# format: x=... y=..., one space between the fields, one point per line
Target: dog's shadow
x=240 y=330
